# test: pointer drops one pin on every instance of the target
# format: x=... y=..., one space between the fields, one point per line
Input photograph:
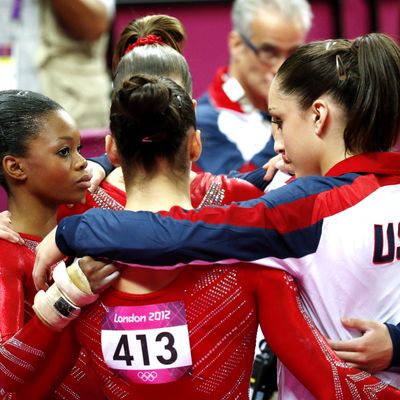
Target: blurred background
x=208 y=23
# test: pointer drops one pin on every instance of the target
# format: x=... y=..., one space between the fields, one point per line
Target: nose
x=81 y=162
x=279 y=147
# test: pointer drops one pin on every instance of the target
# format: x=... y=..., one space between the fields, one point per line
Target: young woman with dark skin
x=41 y=168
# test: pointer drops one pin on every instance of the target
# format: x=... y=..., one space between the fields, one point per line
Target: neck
x=116 y=178
x=161 y=192
x=158 y=194
x=145 y=280
x=334 y=147
x=30 y=215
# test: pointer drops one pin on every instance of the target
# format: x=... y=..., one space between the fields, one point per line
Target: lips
x=84 y=182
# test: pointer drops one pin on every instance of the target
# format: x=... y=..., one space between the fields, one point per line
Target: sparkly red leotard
x=16 y=298
x=223 y=305
x=205 y=189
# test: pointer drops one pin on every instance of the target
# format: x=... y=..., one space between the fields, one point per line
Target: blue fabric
x=104 y=162
x=219 y=155
x=394 y=331
x=245 y=231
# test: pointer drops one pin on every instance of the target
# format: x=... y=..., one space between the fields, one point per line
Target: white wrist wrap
x=67 y=286
x=55 y=309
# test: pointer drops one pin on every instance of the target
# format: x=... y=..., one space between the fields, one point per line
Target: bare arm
x=82 y=19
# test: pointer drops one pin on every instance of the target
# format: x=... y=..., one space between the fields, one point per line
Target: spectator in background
x=58 y=48
x=236 y=130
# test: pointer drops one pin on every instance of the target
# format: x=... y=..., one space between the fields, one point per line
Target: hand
x=6 y=231
x=271 y=167
x=99 y=274
x=47 y=254
x=274 y=164
x=96 y=173
x=371 y=352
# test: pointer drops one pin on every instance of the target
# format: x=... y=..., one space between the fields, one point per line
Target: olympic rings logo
x=147 y=376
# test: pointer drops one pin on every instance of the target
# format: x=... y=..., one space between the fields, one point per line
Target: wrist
x=54 y=309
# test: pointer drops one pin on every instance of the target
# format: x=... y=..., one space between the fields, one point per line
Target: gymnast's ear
x=112 y=151
x=14 y=168
x=320 y=114
x=195 y=145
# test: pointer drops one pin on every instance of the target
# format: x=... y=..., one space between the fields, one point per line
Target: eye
x=79 y=149
x=278 y=122
x=64 y=152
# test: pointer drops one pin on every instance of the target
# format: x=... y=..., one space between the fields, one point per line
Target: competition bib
x=147 y=344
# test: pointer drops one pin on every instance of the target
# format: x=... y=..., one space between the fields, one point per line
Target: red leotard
x=16 y=298
x=222 y=306
x=205 y=189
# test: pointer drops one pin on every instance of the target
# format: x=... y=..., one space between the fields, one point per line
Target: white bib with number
x=147 y=344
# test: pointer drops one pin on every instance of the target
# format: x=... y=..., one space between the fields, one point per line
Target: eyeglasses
x=267 y=54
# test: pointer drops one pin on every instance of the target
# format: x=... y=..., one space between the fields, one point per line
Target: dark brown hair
x=363 y=76
x=150 y=119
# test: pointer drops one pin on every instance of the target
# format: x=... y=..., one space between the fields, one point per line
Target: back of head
x=154 y=59
x=244 y=12
x=21 y=119
x=169 y=29
x=150 y=119
x=362 y=76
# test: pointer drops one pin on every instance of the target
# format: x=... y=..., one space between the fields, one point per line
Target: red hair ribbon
x=149 y=39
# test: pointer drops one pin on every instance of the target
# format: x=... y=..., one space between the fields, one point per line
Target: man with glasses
x=236 y=130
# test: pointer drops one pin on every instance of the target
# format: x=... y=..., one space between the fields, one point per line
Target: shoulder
x=307 y=189
x=238 y=190
x=15 y=257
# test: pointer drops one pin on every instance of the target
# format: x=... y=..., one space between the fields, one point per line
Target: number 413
x=122 y=351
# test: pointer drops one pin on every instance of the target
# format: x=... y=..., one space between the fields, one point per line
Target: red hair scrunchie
x=149 y=39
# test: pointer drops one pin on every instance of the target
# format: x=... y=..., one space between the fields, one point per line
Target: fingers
x=108 y=281
x=6 y=230
x=359 y=324
x=351 y=358
x=372 y=351
x=270 y=169
x=40 y=276
x=280 y=164
x=97 y=175
x=99 y=274
x=5 y=216
x=345 y=345
x=270 y=173
x=10 y=235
